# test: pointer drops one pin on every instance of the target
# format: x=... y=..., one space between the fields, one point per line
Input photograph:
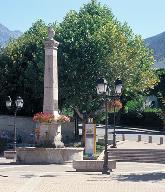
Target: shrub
x=3 y=144
x=90 y=157
x=135 y=105
x=148 y=119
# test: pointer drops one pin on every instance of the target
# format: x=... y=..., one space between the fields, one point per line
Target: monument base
x=49 y=134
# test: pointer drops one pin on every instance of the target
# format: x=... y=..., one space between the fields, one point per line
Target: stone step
x=137 y=152
x=130 y=158
x=140 y=158
x=132 y=150
x=137 y=155
x=140 y=161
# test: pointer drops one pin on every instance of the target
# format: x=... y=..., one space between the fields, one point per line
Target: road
x=130 y=133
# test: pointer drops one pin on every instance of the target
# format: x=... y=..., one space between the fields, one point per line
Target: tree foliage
x=159 y=89
x=93 y=43
x=22 y=63
x=79 y=64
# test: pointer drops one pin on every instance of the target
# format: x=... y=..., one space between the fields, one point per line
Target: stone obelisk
x=51 y=132
x=51 y=74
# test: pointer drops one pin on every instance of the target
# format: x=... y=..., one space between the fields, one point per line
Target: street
x=130 y=133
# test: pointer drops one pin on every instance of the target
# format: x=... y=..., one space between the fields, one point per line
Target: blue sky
x=145 y=17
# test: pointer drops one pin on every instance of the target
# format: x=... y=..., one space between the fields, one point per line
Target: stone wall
x=26 y=129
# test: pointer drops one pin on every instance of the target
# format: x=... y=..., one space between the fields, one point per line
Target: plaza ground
x=127 y=177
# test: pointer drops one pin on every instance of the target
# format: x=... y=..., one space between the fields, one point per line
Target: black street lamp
x=102 y=89
x=117 y=93
x=15 y=106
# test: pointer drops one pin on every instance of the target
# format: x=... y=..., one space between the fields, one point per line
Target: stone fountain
x=50 y=105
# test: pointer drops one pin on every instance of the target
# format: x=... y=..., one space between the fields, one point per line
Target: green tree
x=159 y=89
x=22 y=62
x=93 y=44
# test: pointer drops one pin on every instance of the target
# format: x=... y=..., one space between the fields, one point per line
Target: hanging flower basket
x=114 y=104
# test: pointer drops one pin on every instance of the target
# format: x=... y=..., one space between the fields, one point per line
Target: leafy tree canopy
x=22 y=64
x=159 y=89
x=93 y=43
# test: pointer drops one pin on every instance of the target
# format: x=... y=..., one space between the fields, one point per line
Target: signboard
x=90 y=138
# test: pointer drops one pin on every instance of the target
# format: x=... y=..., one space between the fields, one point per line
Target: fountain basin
x=35 y=155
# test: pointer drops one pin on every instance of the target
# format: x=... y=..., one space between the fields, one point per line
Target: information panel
x=90 y=138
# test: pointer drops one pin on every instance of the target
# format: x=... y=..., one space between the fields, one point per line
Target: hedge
x=150 y=120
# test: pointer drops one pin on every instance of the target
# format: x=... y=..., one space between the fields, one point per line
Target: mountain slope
x=157 y=43
x=6 y=34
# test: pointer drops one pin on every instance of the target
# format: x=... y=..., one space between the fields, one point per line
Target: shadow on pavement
x=155 y=176
x=8 y=163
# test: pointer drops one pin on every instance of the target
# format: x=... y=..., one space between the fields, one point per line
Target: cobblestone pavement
x=128 y=177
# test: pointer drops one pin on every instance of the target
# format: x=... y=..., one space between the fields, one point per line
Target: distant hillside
x=6 y=34
x=157 y=43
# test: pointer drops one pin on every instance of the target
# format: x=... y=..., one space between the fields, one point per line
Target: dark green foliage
x=90 y=157
x=3 y=144
x=150 y=120
x=159 y=89
x=135 y=105
x=22 y=67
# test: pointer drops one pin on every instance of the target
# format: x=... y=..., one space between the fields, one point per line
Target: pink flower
x=48 y=118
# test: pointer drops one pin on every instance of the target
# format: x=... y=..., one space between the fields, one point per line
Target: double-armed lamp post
x=104 y=89
x=15 y=106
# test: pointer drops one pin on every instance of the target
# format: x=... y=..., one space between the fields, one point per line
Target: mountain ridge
x=6 y=35
x=157 y=44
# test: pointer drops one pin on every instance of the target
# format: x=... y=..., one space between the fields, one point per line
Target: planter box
x=92 y=165
x=32 y=155
x=10 y=154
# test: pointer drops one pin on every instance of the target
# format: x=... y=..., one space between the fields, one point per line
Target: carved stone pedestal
x=50 y=134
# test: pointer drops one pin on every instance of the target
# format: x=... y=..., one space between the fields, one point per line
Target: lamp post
x=117 y=93
x=102 y=88
x=15 y=106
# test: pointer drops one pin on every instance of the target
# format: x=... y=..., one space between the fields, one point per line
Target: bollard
x=161 y=140
x=150 y=139
x=123 y=137
x=139 y=138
